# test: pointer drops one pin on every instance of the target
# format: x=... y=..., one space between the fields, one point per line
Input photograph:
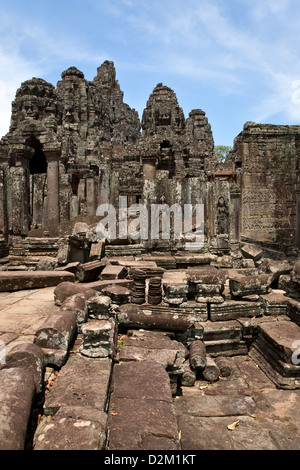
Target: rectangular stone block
x=232 y=310
x=20 y=280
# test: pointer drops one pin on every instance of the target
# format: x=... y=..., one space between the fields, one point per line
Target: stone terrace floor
x=263 y=417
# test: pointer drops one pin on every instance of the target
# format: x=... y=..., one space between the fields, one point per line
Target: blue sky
x=238 y=60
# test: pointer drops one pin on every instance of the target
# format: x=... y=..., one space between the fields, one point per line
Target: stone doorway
x=37 y=184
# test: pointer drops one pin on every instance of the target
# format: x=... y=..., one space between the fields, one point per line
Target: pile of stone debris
x=131 y=316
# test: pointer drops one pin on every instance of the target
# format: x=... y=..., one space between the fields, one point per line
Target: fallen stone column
x=197 y=354
x=135 y=318
x=29 y=357
x=78 y=304
x=68 y=289
x=17 y=394
x=188 y=377
x=224 y=365
x=55 y=336
x=211 y=372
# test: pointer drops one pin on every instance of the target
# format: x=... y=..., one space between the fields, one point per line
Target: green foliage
x=221 y=152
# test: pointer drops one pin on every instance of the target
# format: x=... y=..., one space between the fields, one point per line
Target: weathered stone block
x=252 y=251
x=99 y=307
x=99 y=338
x=250 y=285
x=78 y=304
x=20 y=280
x=112 y=272
x=88 y=272
x=57 y=333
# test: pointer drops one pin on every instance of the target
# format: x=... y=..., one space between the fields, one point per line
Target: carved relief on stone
x=222 y=216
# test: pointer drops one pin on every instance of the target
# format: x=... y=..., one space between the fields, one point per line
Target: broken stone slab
x=295 y=273
x=70 y=267
x=275 y=303
x=213 y=331
x=112 y=272
x=76 y=303
x=209 y=290
x=197 y=355
x=211 y=371
x=68 y=289
x=72 y=428
x=140 y=407
x=291 y=288
x=234 y=309
x=57 y=332
x=89 y=272
x=97 y=251
x=282 y=337
x=250 y=285
x=276 y=267
x=154 y=346
x=99 y=338
x=17 y=394
x=83 y=382
x=294 y=311
x=29 y=357
x=100 y=285
x=99 y=307
x=276 y=374
x=119 y=294
x=20 y=280
x=206 y=275
x=252 y=251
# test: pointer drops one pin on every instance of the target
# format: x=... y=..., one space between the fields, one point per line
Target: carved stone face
x=30 y=109
x=35 y=100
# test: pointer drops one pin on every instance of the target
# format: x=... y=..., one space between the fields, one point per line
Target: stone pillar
x=3 y=206
x=235 y=219
x=19 y=190
x=52 y=157
x=297 y=238
x=90 y=196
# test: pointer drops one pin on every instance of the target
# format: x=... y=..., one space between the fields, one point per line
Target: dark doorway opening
x=38 y=162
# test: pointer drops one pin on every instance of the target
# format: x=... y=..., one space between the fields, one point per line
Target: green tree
x=221 y=152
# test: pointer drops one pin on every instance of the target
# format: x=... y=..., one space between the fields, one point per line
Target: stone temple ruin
x=147 y=345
